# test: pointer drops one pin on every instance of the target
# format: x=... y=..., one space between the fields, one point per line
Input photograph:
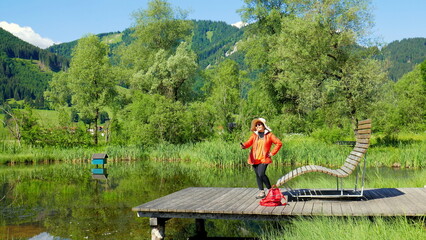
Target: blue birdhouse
x=100 y=172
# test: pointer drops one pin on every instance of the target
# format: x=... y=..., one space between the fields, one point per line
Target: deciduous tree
x=314 y=59
x=167 y=73
x=225 y=92
x=159 y=59
x=91 y=82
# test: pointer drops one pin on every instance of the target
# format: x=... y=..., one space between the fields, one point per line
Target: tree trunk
x=96 y=127
x=14 y=130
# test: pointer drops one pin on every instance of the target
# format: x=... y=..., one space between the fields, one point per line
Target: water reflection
x=46 y=236
x=20 y=231
x=62 y=201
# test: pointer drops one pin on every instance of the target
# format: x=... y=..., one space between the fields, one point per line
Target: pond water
x=62 y=201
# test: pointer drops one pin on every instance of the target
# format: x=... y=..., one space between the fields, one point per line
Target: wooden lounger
x=363 y=135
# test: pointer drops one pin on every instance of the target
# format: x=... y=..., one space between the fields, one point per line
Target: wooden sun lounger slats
x=351 y=162
x=346 y=169
x=366 y=121
x=355 y=158
x=360 y=140
x=364 y=131
x=362 y=143
x=363 y=136
x=360 y=150
x=364 y=126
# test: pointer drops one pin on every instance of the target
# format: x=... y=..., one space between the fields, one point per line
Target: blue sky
x=68 y=20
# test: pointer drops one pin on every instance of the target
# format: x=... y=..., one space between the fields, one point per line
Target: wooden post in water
x=158 y=228
x=200 y=229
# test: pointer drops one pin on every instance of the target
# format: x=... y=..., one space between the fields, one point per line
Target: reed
x=13 y=153
x=406 y=156
x=296 y=150
x=332 y=228
x=303 y=150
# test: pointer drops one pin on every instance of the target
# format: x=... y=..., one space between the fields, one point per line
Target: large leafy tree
x=160 y=26
x=313 y=63
x=225 y=92
x=159 y=63
x=90 y=79
x=167 y=74
x=59 y=93
x=152 y=118
x=260 y=40
x=159 y=60
x=411 y=100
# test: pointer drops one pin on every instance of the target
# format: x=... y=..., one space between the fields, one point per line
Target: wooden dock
x=239 y=203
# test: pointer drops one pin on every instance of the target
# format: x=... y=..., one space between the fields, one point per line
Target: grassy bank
x=297 y=150
x=349 y=228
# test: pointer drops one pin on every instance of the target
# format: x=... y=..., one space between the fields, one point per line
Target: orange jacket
x=269 y=139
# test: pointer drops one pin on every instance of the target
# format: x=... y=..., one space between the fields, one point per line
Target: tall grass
x=296 y=150
x=411 y=156
x=217 y=153
x=13 y=153
x=302 y=150
x=349 y=228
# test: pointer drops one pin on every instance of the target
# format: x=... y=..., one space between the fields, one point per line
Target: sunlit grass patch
x=331 y=228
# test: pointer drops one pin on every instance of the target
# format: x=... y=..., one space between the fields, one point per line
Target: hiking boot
x=261 y=195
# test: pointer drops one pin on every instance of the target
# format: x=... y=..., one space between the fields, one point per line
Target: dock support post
x=158 y=228
x=200 y=228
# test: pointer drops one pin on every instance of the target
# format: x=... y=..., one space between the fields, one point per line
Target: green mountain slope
x=404 y=55
x=211 y=42
x=14 y=47
x=214 y=41
x=25 y=69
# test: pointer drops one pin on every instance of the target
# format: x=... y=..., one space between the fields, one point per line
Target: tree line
x=304 y=71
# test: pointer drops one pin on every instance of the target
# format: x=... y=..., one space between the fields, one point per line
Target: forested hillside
x=212 y=42
x=113 y=39
x=25 y=70
x=14 y=47
x=404 y=55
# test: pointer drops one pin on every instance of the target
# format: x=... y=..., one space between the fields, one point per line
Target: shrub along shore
x=297 y=150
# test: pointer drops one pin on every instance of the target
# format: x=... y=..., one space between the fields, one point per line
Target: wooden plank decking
x=240 y=203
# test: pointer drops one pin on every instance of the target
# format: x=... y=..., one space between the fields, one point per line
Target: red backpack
x=273 y=198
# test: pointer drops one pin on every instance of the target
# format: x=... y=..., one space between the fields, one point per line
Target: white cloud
x=27 y=34
x=239 y=24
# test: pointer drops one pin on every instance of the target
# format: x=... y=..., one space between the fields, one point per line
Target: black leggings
x=260 y=170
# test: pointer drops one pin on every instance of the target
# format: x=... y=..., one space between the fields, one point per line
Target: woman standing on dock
x=260 y=154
